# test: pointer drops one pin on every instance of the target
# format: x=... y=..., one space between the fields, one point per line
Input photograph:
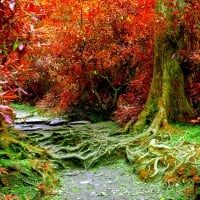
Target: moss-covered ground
x=25 y=171
x=189 y=132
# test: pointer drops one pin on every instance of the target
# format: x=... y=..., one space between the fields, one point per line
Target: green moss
x=22 y=171
x=189 y=132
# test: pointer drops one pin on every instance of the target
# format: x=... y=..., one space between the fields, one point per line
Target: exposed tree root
x=150 y=152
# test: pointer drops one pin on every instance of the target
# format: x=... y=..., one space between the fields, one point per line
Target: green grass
x=24 y=107
x=32 y=110
x=189 y=132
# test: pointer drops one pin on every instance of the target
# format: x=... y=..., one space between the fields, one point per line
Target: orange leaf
x=3 y=170
x=8 y=97
x=8 y=197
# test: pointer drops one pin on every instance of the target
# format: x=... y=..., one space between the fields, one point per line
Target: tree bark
x=167 y=101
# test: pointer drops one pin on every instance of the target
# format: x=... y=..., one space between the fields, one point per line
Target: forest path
x=109 y=180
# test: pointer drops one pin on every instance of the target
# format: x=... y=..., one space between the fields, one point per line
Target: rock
x=80 y=122
x=85 y=182
x=32 y=120
x=32 y=127
x=29 y=128
x=75 y=173
x=102 y=194
x=56 y=122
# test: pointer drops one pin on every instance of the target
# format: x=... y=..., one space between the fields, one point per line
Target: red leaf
x=7 y=95
x=6 y=118
x=175 y=13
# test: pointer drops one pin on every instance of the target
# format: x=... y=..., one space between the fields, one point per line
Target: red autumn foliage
x=96 y=54
x=14 y=38
x=92 y=54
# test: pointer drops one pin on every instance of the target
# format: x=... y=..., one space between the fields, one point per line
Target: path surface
x=113 y=182
x=108 y=181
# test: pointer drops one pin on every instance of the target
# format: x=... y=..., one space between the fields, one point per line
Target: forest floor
x=111 y=179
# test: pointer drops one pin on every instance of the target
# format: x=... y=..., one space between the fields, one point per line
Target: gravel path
x=113 y=182
x=108 y=181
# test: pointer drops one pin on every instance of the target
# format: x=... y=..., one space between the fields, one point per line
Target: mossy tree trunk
x=167 y=101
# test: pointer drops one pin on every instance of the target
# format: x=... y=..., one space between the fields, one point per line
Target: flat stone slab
x=32 y=121
x=79 y=122
x=56 y=122
x=32 y=127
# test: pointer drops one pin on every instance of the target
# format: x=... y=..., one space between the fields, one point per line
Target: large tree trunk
x=167 y=101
